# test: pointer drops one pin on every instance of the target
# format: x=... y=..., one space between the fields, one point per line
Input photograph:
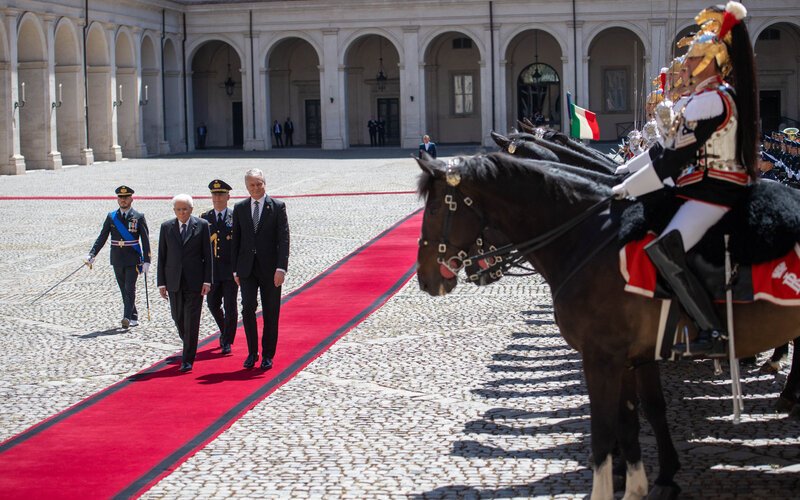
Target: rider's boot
x=669 y=257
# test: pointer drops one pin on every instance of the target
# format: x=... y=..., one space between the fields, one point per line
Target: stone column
x=489 y=110
x=332 y=88
x=115 y=150
x=53 y=161
x=15 y=163
x=87 y=154
x=659 y=46
x=411 y=89
x=577 y=73
x=254 y=133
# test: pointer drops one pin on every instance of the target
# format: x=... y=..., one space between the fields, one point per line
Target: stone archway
x=368 y=96
x=8 y=165
x=777 y=50
x=617 y=82
x=149 y=97
x=173 y=99
x=453 y=89
x=35 y=114
x=127 y=96
x=100 y=97
x=217 y=94
x=293 y=68
x=533 y=73
x=69 y=97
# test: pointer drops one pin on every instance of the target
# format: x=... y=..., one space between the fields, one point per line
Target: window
x=615 y=90
x=462 y=43
x=462 y=94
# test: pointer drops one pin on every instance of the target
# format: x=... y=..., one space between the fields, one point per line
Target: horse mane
x=493 y=167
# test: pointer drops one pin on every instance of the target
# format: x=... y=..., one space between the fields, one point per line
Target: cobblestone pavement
x=472 y=395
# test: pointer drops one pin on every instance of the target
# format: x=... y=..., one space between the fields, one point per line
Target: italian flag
x=583 y=123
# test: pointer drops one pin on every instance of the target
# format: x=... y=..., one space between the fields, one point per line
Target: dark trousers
x=373 y=138
x=289 y=141
x=186 y=308
x=278 y=141
x=271 y=308
x=126 y=279
x=221 y=302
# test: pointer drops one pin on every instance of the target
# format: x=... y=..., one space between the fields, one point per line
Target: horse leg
x=787 y=400
x=773 y=364
x=648 y=381
x=628 y=439
x=603 y=381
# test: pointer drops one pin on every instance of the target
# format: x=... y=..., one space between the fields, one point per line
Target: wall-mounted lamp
x=21 y=102
x=146 y=99
x=57 y=104
x=412 y=98
x=119 y=100
x=331 y=100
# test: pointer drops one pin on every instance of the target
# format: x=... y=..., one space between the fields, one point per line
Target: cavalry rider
x=710 y=154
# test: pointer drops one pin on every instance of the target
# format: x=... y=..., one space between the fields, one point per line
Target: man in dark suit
x=260 y=258
x=288 y=130
x=221 y=299
x=130 y=250
x=427 y=146
x=185 y=272
x=372 y=126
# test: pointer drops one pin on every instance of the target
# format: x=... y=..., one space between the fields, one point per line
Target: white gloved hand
x=145 y=267
x=88 y=260
x=622 y=170
x=619 y=191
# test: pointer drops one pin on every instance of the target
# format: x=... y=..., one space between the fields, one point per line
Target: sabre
x=147 y=297
x=63 y=280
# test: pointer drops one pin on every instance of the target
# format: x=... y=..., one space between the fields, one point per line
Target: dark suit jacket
x=191 y=260
x=270 y=243
x=125 y=256
x=431 y=149
x=221 y=235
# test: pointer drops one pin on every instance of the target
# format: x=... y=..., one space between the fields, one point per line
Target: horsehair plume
x=662 y=78
x=734 y=13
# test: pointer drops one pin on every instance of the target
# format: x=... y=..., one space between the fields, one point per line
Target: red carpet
x=121 y=441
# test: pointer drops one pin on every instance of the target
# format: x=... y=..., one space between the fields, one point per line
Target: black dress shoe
x=226 y=348
x=250 y=361
x=185 y=367
x=266 y=364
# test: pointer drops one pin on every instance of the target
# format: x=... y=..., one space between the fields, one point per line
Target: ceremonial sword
x=63 y=280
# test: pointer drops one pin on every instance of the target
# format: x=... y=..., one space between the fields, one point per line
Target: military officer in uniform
x=224 y=291
x=130 y=250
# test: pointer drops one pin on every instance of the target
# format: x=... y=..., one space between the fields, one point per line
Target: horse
x=613 y=330
x=565 y=154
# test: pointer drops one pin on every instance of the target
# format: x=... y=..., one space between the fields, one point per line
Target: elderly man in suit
x=427 y=146
x=185 y=272
x=260 y=258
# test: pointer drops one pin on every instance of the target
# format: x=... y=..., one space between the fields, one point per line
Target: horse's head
x=452 y=228
x=522 y=145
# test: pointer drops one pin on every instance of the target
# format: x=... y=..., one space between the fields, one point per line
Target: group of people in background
x=280 y=132
x=210 y=256
x=377 y=131
x=780 y=157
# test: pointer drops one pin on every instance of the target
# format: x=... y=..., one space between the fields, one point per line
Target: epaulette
x=704 y=106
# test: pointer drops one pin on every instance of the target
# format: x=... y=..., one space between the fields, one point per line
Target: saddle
x=764 y=233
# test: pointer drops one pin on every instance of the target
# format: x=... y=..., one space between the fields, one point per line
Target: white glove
x=619 y=191
x=145 y=267
x=88 y=260
x=622 y=170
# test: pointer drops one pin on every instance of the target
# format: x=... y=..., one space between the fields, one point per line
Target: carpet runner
x=122 y=440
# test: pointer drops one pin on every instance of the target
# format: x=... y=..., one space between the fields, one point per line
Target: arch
x=148 y=51
x=70 y=117
x=505 y=45
x=777 y=52
x=197 y=44
x=425 y=42
x=125 y=54
x=293 y=91
x=4 y=56
x=641 y=35
x=617 y=80
x=31 y=42
x=150 y=95
x=126 y=93
x=266 y=51
x=213 y=63
x=452 y=76
x=369 y=97
x=756 y=28
x=348 y=43
x=97 y=49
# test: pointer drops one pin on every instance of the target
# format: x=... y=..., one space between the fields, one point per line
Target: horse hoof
x=770 y=368
x=784 y=405
x=664 y=492
x=795 y=413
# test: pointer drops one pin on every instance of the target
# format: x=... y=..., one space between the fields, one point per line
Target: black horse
x=614 y=331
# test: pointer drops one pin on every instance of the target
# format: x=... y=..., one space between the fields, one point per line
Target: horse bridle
x=461 y=258
x=506 y=256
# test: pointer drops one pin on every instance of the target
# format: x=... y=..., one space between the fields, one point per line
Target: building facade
x=90 y=80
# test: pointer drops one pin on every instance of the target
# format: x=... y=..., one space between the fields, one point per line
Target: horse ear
x=500 y=139
x=429 y=165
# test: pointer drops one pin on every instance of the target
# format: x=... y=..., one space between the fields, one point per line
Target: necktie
x=183 y=232
x=255 y=216
x=219 y=218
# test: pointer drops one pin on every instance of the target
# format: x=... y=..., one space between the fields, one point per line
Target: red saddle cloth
x=777 y=281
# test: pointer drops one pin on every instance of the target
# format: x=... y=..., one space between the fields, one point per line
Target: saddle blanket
x=776 y=280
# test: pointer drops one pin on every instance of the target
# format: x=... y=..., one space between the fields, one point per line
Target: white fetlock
x=635 y=482
x=603 y=481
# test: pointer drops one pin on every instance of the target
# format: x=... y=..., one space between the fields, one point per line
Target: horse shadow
x=103 y=333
